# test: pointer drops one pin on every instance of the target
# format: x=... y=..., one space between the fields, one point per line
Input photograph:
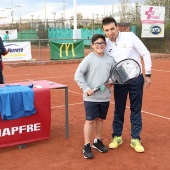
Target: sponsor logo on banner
x=150 y=30
x=155 y=30
x=67 y=46
x=17 y=51
x=152 y=14
x=14 y=48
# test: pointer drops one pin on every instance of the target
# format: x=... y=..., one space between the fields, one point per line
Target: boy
x=93 y=71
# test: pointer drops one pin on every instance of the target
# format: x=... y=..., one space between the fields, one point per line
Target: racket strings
x=125 y=71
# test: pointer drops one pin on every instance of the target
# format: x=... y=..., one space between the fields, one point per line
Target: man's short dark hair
x=7 y=32
x=108 y=20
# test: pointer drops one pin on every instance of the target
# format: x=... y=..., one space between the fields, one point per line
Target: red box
x=31 y=128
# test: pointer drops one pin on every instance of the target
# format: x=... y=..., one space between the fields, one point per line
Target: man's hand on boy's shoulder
x=6 y=52
x=109 y=84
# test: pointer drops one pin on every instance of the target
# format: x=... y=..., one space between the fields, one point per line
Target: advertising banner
x=17 y=51
x=152 y=30
x=61 y=50
x=152 y=14
x=152 y=19
x=12 y=34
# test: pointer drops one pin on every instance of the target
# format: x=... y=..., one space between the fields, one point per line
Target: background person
x=122 y=45
x=3 y=51
x=6 y=36
x=93 y=71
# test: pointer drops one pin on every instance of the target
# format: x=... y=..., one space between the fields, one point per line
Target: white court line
x=114 y=103
x=53 y=77
x=161 y=70
x=70 y=104
x=151 y=113
x=13 y=81
x=64 y=105
x=156 y=115
x=81 y=94
x=46 y=78
x=21 y=74
x=35 y=74
x=128 y=108
x=75 y=92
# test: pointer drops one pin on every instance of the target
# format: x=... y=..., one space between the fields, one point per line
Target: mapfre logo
x=155 y=30
x=20 y=129
x=67 y=46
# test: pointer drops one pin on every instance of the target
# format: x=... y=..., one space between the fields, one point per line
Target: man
x=6 y=36
x=122 y=45
x=3 y=51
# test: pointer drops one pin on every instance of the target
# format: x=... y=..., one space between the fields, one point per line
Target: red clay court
x=59 y=153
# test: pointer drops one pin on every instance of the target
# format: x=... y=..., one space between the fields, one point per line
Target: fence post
x=39 y=49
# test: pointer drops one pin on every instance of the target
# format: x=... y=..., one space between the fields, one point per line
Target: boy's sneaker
x=116 y=141
x=87 y=151
x=99 y=146
x=136 y=144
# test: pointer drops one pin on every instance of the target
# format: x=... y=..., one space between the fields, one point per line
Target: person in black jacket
x=3 y=51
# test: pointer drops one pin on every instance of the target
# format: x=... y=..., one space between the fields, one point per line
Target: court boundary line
x=161 y=70
x=153 y=114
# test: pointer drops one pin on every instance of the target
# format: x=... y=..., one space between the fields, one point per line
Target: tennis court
x=59 y=153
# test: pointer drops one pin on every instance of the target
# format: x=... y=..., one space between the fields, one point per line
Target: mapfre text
x=20 y=129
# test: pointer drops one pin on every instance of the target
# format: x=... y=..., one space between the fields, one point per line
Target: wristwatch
x=147 y=75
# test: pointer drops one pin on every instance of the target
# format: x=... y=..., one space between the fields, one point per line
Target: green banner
x=66 y=49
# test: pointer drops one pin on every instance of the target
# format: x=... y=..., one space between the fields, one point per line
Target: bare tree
x=126 y=11
x=79 y=16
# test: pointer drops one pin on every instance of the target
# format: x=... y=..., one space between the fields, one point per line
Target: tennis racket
x=124 y=72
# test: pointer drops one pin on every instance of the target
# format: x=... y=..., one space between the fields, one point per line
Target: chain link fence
x=37 y=33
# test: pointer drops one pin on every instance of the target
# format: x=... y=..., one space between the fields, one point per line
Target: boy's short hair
x=108 y=20
x=97 y=36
